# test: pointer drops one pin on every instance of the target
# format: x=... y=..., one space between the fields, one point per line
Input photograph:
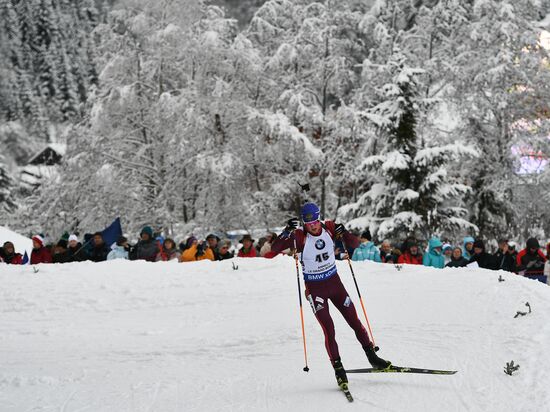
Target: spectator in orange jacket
x=410 y=255
x=248 y=249
x=196 y=250
x=40 y=253
x=10 y=257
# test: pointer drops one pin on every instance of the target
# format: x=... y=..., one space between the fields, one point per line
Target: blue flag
x=112 y=232
x=25 y=258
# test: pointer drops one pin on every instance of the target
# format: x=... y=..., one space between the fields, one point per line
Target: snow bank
x=21 y=243
x=136 y=336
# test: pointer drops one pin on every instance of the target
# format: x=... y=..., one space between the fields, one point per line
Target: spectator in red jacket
x=410 y=255
x=40 y=253
x=10 y=257
x=168 y=251
x=531 y=260
x=248 y=249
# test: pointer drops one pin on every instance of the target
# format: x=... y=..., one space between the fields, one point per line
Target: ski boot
x=376 y=361
x=340 y=373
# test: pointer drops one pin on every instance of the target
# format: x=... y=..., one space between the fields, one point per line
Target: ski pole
x=306 y=368
x=359 y=293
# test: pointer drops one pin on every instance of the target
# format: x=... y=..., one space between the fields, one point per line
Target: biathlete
x=315 y=245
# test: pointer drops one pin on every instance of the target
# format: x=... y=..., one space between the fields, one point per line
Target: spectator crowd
x=531 y=261
x=149 y=247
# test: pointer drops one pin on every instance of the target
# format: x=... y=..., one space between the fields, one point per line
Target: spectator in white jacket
x=119 y=250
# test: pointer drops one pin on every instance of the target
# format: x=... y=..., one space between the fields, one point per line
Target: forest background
x=407 y=117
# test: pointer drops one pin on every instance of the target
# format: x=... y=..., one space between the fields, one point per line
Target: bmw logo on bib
x=320 y=244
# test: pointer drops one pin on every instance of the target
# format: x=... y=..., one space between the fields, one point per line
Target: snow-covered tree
x=191 y=123
x=416 y=191
x=7 y=199
x=47 y=60
x=242 y=10
x=500 y=85
x=312 y=50
x=120 y=152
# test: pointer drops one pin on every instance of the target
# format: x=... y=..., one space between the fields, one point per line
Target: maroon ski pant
x=318 y=294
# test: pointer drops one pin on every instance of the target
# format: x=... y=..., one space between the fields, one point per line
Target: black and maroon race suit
x=322 y=281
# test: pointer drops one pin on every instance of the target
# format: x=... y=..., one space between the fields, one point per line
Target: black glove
x=201 y=247
x=339 y=230
x=292 y=224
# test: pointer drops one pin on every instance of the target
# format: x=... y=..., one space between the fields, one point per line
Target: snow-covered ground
x=136 y=336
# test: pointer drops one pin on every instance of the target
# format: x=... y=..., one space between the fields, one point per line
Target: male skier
x=315 y=245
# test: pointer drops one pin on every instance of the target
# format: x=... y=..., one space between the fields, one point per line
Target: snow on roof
x=20 y=242
x=60 y=148
x=33 y=174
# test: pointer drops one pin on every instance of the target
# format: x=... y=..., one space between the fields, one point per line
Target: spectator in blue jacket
x=468 y=247
x=366 y=250
x=434 y=257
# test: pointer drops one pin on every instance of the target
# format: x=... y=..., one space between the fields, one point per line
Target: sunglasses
x=309 y=224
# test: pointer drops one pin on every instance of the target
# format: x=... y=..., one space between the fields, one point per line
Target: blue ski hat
x=310 y=212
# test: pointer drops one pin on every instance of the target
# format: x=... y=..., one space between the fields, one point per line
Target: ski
x=401 y=369
x=346 y=391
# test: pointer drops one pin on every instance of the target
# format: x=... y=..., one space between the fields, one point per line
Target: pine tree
x=7 y=199
x=10 y=44
x=414 y=192
x=50 y=64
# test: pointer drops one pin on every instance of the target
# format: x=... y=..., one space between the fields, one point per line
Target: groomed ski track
x=136 y=336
